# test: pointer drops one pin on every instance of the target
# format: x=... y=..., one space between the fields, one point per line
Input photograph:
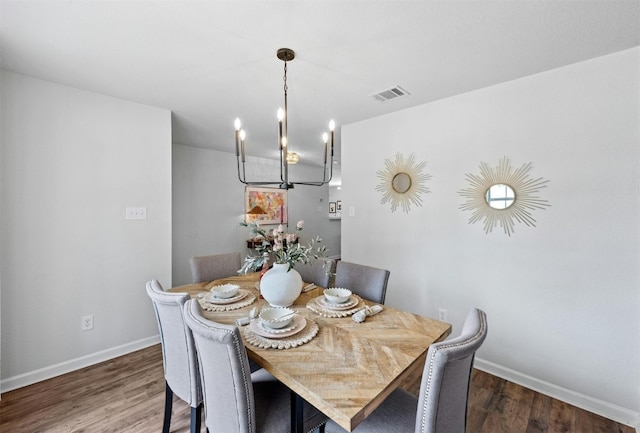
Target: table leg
x=297 y=421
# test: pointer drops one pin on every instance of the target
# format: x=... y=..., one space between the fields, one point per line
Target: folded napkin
x=367 y=311
x=246 y=320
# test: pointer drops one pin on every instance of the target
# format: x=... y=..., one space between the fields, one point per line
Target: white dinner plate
x=322 y=301
x=270 y=330
x=299 y=323
x=209 y=297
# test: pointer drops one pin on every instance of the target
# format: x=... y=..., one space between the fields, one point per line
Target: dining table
x=343 y=367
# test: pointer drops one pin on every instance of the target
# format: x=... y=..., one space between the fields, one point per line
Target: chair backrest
x=366 y=281
x=178 y=348
x=444 y=390
x=208 y=268
x=226 y=378
x=318 y=272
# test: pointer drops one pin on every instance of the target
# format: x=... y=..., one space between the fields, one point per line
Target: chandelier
x=286 y=157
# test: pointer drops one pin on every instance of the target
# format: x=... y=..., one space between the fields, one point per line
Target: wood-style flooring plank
x=126 y=395
x=539 y=417
x=481 y=393
x=561 y=417
x=585 y=421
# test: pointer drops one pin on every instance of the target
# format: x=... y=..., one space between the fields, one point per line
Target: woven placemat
x=327 y=312
x=248 y=300
x=307 y=334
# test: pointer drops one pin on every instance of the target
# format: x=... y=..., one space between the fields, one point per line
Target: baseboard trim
x=49 y=372
x=594 y=405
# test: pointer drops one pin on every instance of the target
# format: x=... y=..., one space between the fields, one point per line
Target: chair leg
x=168 y=405
x=196 y=417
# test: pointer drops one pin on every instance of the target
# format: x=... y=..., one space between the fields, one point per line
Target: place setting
x=279 y=328
x=336 y=302
x=225 y=297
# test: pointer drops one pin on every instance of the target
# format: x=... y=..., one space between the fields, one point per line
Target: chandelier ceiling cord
x=286 y=55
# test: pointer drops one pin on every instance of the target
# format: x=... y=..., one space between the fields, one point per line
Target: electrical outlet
x=86 y=322
x=442 y=314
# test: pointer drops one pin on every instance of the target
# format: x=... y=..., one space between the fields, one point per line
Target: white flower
x=300 y=225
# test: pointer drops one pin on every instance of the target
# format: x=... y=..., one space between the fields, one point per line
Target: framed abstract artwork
x=265 y=205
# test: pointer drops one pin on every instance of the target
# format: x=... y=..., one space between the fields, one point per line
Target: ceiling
x=212 y=61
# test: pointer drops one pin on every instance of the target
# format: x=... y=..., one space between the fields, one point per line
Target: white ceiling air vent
x=389 y=94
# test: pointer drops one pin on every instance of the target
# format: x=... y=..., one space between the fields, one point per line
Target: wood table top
x=349 y=368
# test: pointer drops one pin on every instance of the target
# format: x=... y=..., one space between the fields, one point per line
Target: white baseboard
x=45 y=373
x=594 y=405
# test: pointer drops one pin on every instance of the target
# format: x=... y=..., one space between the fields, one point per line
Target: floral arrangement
x=281 y=246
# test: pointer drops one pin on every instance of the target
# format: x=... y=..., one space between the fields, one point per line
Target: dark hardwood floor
x=126 y=394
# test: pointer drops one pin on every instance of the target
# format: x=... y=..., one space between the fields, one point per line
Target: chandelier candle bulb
x=285 y=179
x=280 y=118
x=242 y=137
x=325 y=137
x=237 y=126
x=332 y=127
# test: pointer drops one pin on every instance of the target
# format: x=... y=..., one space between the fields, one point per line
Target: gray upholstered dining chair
x=178 y=354
x=233 y=403
x=318 y=272
x=441 y=406
x=365 y=281
x=213 y=267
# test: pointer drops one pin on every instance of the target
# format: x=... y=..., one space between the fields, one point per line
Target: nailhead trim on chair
x=246 y=384
x=446 y=346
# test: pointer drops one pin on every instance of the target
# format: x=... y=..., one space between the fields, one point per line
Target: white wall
x=562 y=298
x=71 y=162
x=208 y=205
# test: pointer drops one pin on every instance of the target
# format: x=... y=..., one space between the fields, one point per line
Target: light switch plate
x=136 y=213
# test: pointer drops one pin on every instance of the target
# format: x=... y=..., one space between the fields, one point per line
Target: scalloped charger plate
x=209 y=297
x=299 y=323
x=322 y=301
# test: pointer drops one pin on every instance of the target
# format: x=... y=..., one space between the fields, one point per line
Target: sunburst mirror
x=402 y=182
x=502 y=195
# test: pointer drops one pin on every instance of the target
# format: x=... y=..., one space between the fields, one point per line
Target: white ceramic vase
x=279 y=287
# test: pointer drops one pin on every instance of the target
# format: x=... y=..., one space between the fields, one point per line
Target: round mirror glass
x=401 y=182
x=500 y=196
